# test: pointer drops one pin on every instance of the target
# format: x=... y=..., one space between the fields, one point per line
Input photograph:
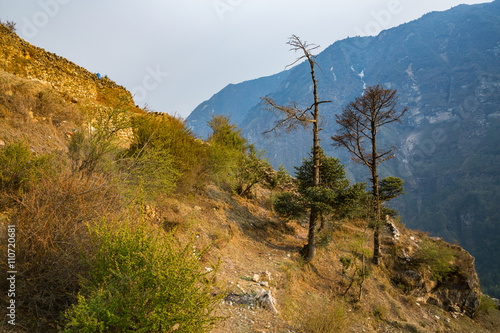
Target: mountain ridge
x=446 y=68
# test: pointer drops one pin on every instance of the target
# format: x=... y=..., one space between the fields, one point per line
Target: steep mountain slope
x=233 y=101
x=446 y=68
x=257 y=251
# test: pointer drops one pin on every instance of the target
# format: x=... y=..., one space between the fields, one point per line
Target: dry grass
x=50 y=220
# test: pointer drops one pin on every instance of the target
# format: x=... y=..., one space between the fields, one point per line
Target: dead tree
x=360 y=123
x=292 y=116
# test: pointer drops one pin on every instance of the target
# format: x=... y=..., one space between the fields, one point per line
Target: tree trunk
x=313 y=218
x=376 y=198
x=310 y=248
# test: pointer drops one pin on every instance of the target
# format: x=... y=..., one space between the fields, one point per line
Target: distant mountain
x=446 y=68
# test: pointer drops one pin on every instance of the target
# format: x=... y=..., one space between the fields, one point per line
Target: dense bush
x=150 y=171
x=142 y=280
x=252 y=169
x=170 y=136
x=21 y=168
x=227 y=149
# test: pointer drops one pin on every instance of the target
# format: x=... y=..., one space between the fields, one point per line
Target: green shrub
x=288 y=205
x=252 y=169
x=226 y=149
x=439 y=257
x=141 y=280
x=20 y=167
x=151 y=172
x=487 y=304
x=169 y=134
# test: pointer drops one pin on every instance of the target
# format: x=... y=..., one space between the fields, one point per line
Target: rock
x=2 y=143
x=461 y=292
x=264 y=276
x=392 y=227
x=267 y=301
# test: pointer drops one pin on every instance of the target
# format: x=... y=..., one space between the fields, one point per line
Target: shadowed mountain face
x=446 y=69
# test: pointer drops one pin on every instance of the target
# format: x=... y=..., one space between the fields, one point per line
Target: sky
x=173 y=55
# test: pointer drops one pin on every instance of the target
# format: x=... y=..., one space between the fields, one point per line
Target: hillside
x=445 y=67
x=123 y=220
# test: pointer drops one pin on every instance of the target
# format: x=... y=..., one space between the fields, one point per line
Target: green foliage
x=439 y=257
x=331 y=173
x=166 y=138
x=333 y=197
x=390 y=188
x=487 y=304
x=233 y=161
x=282 y=180
x=142 y=280
x=20 y=167
x=346 y=263
x=252 y=170
x=96 y=146
x=151 y=171
x=226 y=134
x=227 y=148
x=288 y=205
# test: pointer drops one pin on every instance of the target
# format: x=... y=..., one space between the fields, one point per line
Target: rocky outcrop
x=457 y=290
x=459 y=293
x=73 y=82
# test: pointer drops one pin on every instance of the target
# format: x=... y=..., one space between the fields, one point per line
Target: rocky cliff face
x=73 y=82
x=444 y=276
x=446 y=68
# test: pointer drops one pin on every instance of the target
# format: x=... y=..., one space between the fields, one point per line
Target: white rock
x=267 y=301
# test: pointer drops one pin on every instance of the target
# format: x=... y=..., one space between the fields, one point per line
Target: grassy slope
x=249 y=239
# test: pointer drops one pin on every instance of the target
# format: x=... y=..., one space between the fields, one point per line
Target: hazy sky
x=173 y=55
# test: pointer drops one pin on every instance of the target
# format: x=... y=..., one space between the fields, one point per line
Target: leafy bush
x=150 y=172
x=252 y=170
x=20 y=167
x=282 y=180
x=487 y=304
x=288 y=205
x=333 y=197
x=226 y=148
x=170 y=135
x=439 y=257
x=141 y=280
